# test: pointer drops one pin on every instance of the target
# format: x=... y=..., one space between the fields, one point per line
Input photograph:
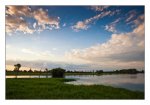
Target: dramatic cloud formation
x=112 y=26
x=18 y=10
x=16 y=20
x=113 y=37
x=43 y=19
x=14 y=24
x=83 y=25
x=122 y=49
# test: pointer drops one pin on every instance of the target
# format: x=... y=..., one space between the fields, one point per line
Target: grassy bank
x=44 y=73
x=26 y=73
x=53 y=88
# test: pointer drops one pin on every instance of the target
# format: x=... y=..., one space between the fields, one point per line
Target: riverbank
x=55 y=88
x=72 y=73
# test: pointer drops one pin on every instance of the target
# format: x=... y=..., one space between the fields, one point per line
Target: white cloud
x=14 y=24
x=37 y=53
x=130 y=15
x=54 y=49
x=80 y=25
x=18 y=10
x=64 y=24
x=122 y=50
x=34 y=25
x=27 y=51
x=15 y=20
x=84 y=25
x=112 y=26
x=43 y=19
x=99 y=8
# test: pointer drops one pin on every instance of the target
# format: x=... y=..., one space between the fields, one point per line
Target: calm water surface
x=128 y=81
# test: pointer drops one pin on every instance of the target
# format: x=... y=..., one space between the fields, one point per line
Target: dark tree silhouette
x=16 y=69
x=30 y=70
x=46 y=70
x=58 y=73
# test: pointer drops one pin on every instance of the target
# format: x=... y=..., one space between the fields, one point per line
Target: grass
x=72 y=73
x=26 y=73
x=55 y=88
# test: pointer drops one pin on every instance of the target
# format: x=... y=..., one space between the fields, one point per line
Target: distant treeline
x=122 y=71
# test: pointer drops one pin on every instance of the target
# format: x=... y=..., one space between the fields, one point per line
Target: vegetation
x=97 y=72
x=55 y=88
x=16 y=69
x=58 y=73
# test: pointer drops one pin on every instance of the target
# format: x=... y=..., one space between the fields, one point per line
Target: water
x=128 y=81
x=28 y=76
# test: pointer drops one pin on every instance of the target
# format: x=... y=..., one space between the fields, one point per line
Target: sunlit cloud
x=18 y=11
x=113 y=37
x=14 y=24
x=84 y=25
x=36 y=54
x=99 y=8
x=16 y=20
x=121 y=49
x=112 y=26
x=43 y=19
x=131 y=14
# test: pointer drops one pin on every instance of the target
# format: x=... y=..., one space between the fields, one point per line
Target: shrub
x=58 y=73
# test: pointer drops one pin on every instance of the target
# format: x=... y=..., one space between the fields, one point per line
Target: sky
x=75 y=37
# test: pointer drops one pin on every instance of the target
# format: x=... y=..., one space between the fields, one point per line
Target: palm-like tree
x=16 y=69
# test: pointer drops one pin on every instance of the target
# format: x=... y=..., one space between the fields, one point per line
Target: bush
x=58 y=73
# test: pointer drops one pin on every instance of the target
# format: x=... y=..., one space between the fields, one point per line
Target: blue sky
x=75 y=35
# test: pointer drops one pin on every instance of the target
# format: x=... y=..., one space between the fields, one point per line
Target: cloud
x=80 y=25
x=43 y=19
x=84 y=25
x=122 y=50
x=64 y=25
x=14 y=24
x=38 y=54
x=17 y=16
x=99 y=8
x=139 y=20
x=34 y=25
x=28 y=51
x=18 y=10
x=112 y=26
x=130 y=15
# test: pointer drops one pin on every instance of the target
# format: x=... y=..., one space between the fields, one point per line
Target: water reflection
x=128 y=81
x=28 y=76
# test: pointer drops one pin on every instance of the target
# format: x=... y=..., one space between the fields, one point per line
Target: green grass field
x=54 y=88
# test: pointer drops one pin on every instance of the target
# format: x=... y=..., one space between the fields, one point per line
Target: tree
x=58 y=73
x=16 y=69
x=99 y=71
x=30 y=70
x=46 y=70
